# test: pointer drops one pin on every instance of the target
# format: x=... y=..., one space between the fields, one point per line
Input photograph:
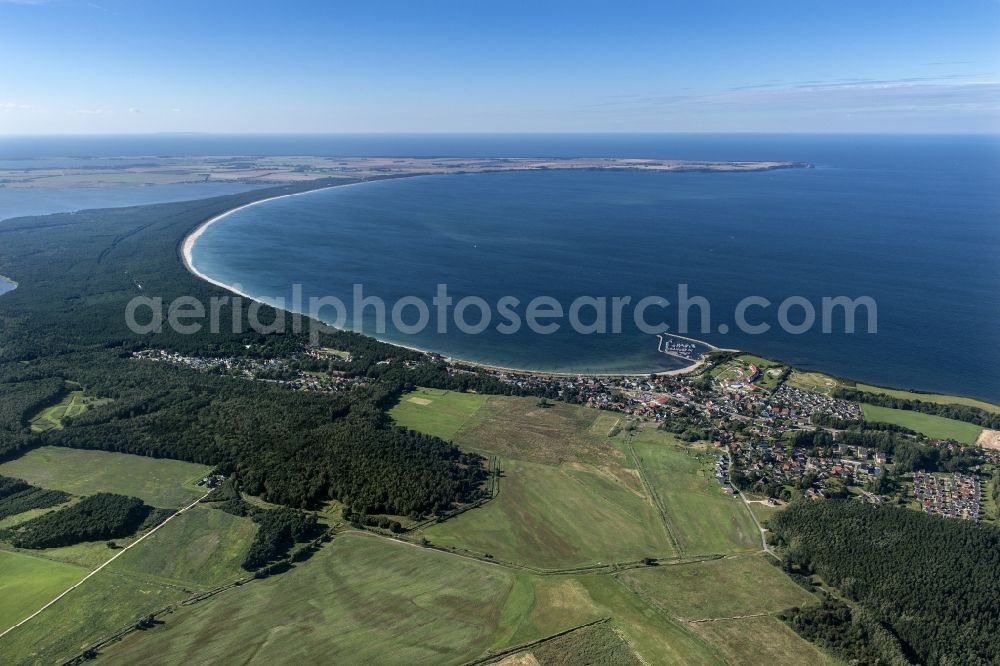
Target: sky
x=69 y=66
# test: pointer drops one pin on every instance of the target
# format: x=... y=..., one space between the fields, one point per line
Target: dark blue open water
x=913 y=222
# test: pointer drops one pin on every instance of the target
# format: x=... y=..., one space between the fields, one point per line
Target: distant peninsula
x=270 y=170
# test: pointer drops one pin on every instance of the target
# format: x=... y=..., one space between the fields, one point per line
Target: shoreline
x=188 y=243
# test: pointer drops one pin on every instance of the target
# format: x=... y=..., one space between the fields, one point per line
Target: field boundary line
x=98 y=569
x=514 y=649
x=653 y=495
x=677 y=622
x=724 y=619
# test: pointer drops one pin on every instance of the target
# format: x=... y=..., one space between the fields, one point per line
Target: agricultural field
x=932 y=397
x=596 y=644
x=513 y=427
x=365 y=599
x=730 y=603
x=928 y=424
x=27 y=583
x=360 y=599
x=713 y=589
x=74 y=404
x=99 y=607
x=703 y=519
x=157 y=481
x=437 y=412
x=200 y=549
x=568 y=496
x=558 y=516
x=761 y=641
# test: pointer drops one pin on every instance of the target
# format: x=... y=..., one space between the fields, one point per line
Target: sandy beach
x=188 y=246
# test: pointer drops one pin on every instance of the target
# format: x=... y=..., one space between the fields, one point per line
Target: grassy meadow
x=200 y=549
x=27 y=583
x=99 y=607
x=761 y=641
x=703 y=519
x=928 y=424
x=437 y=412
x=553 y=517
x=568 y=495
x=157 y=481
x=74 y=404
x=360 y=599
x=718 y=588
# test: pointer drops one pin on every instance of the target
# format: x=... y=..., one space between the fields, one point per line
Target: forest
x=66 y=322
x=932 y=582
x=18 y=496
x=94 y=518
x=278 y=530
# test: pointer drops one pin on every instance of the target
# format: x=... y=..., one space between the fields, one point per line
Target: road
x=746 y=503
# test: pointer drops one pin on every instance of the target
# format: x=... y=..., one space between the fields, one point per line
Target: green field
x=554 y=517
x=358 y=600
x=362 y=599
x=703 y=519
x=436 y=412
x=568 y=496
x=74 y=404
x=932 y=397
x=729 y=602
x=761 y=641
x=518 y=428
x=928 y=424
x=27 y=583
x=99 y=607
x=719 y=588
x=201 y=548
x=157 y=481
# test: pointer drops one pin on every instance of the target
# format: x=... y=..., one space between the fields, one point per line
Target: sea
x=909 y=224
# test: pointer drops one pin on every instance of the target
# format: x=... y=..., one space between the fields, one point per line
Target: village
x=954 y=496
x=753 y=427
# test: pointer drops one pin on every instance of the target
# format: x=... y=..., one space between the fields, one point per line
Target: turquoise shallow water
x=912 y=223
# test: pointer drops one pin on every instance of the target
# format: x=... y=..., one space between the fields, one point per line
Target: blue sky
x=481 y=66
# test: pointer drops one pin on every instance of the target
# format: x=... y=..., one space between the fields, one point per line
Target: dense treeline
x=278 y=530
x=852 y=635
x=94 y=518
x=966 y=413
x=932 y=582
x=22 y=399
x=909 y=451
x=18 y=496
x=291 y=447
